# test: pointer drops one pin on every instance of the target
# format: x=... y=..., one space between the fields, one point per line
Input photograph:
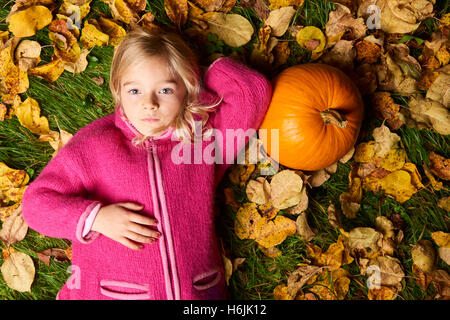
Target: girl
x=140 y=221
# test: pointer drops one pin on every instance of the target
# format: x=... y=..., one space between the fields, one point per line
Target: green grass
x=74 y=101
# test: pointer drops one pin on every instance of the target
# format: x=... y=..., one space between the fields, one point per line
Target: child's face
x=148 y=91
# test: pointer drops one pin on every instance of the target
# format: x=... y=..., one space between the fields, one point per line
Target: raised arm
x=246 y=96
x=55 y=203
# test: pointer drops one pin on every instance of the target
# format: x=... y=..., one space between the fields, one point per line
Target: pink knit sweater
x=100 y=166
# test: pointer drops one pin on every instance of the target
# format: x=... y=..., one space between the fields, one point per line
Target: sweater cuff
x=84 y=233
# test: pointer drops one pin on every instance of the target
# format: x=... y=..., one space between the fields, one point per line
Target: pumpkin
x=318 y=111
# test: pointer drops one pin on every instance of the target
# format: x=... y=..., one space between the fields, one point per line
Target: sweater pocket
x=206 y=280
x=124 y=290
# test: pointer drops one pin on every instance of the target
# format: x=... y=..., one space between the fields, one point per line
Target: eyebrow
x=173 y=81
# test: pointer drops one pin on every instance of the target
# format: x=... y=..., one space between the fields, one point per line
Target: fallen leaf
x=400 y=16
x=50 y=71
x=177 y=11
x=286 y=187
x=28 y=113
x=58 y=254
x=298 y=278
x=281 y=293
x=439 y=165
x=27 y=54
x=279 y=20
x=14 y=228
x=233 y=29
x=273 y=232
x=444 y=203
x=313 y=39
x=424 y=255
x=18 y=271
x=342 y=22
x=385 y=140
x=240 y=173
x=428 y=114
x=91 y=36
x=26 y=22
x=258 y=190
x=303 y=228
x=383 y=103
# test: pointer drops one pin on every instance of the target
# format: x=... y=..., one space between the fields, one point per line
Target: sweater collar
x=130 y=131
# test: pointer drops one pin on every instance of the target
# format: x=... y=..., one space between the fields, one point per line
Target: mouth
x=150 y=119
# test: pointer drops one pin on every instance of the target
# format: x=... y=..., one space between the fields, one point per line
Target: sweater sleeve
x=246 y=95
x=56 y=203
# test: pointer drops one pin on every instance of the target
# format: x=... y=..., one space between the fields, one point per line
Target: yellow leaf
x=270 y=233
x=113 y=30
x=247 y=221
x=313 y=39
x=240 y=173
x=441 y=238
x=275 y=4
x=68 y=8
x=91 y=36
x=177 y=11
x=28 y=113
x=280 y=293
x=15 y=80
x=25 y=23
x=399 y=185
x=12 y=178
x=382 y=293
x=50 y=71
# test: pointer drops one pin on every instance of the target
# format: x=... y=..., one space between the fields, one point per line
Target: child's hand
x=118 y=222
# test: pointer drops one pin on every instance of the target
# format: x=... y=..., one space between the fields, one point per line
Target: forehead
x=153 y=70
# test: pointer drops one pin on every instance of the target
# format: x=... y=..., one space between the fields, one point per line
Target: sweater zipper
x=161 y=213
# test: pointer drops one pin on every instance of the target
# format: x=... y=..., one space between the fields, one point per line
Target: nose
x=151 y=104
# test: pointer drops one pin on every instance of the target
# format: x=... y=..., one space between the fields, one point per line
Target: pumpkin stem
x=334 y=117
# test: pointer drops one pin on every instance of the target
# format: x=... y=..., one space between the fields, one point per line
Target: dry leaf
x=286 y=187
x=177 y=11
x=444 y=203
x=424 y=256
x=241 y=173
x=50 y=71
x=91 y=36
x=14 y=228
x=27 y=54
x=385 y=140
x=303 y=229
x=279 y=20
x=383 y=103
x=58 y=254
x=233 y=29
x=298 y=278
x=341 y=22
x=281 y=293
x=26 y=22
x=313 y=39
x=439 y=165
x=428 y=114
x=403 y=16
x=28 y=113
x=258 y=190
x=18 y=271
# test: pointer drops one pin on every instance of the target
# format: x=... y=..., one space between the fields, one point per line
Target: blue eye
x=133 y=90
x=167 y=89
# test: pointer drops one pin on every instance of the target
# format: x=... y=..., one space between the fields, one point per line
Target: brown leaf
x=14 y=229
x=59 y=255
x=303 y=228
x=18 y=271
x=439 y=165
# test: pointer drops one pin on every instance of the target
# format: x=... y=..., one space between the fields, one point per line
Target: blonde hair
x=141 y=43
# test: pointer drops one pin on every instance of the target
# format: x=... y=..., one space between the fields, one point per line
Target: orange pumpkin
x=318 y=111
